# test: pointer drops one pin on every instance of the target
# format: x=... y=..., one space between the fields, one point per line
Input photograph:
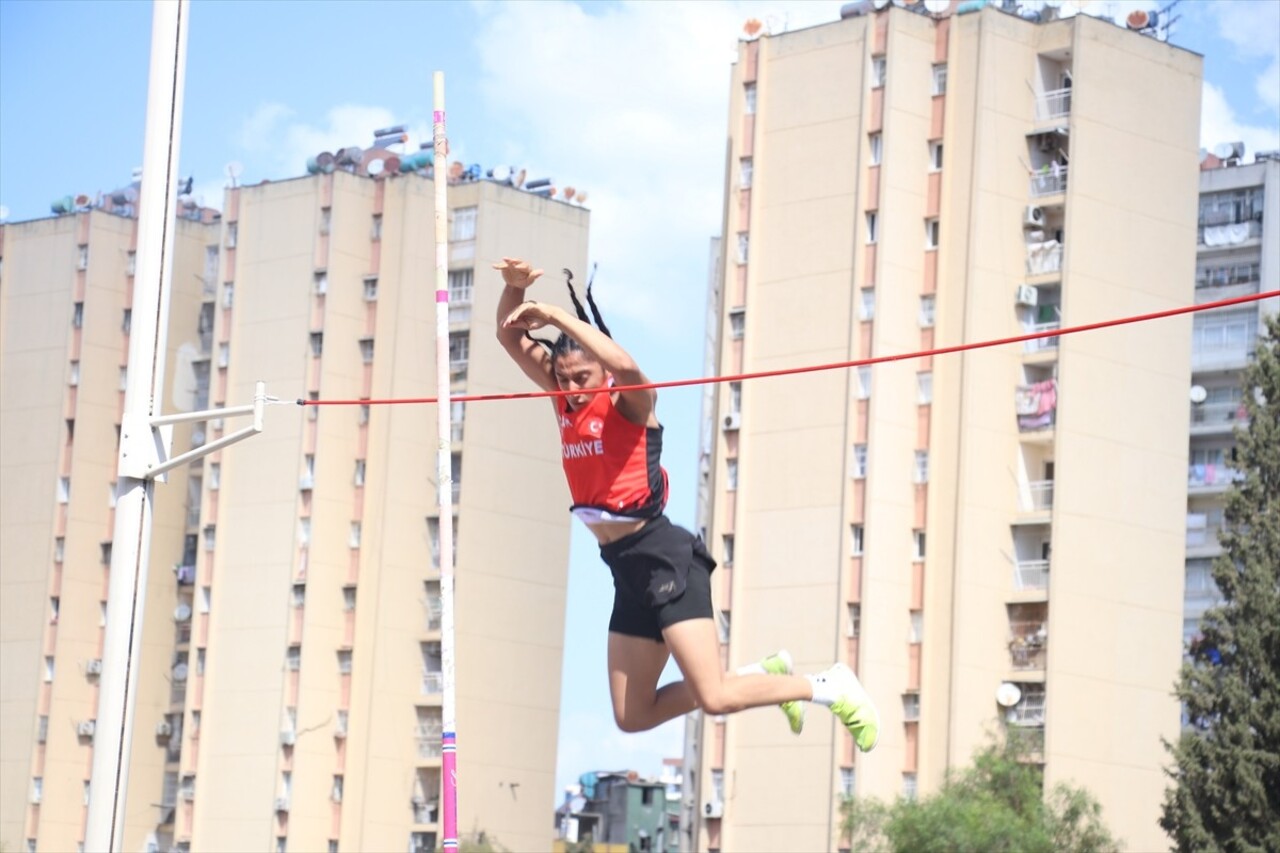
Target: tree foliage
x=1226 y=774
x=996 y=804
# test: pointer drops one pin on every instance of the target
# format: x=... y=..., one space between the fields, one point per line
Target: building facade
x=986 y=537
x=290 y=697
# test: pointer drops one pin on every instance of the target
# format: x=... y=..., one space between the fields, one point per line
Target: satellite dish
x=391 y=165
x=937 y=7
x=751 y=28
x=518 y=180
x=375 y=168
x=1198 y=394
x=1137 y=19
x=582 y=198
x=1223 y=150
x=180 y=672
x=569 y=193
x=182 y=613
x=4 y=213
x=1008 y=694
x=501 y=174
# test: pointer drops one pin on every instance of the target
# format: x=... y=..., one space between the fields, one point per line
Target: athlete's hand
x=517 y=273
x=530 y=316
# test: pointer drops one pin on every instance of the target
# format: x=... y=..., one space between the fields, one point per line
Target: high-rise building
x=290 y=694
x=1235 y=253
x=992 y=539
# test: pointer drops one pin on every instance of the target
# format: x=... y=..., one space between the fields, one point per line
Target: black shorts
x=661 y=576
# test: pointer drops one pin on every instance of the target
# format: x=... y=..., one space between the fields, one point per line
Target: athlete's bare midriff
x=612 y=531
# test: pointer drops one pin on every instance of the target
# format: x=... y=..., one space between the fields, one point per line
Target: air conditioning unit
x=340 y=732
x=35 y=798
x=85 y=728
x=164 y=728
x=732 y=421
x=1026 y=295
x=282 y=804
x=1033 y=217
x=713 y=808
x=288 y=737
x=93 y=667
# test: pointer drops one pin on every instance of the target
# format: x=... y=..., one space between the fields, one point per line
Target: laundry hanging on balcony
x=1036 y=404
x=1226 y=235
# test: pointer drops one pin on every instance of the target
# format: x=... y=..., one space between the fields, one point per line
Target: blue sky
x=627 y=100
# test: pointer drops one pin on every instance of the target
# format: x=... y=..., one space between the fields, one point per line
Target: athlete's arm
x=635 y=406
x=532 y=358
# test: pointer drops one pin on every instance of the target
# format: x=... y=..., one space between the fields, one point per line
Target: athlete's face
x=575 y=371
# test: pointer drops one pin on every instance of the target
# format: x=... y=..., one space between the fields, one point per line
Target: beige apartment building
x=1237 y=249
x=290 y=693
x=992 y=539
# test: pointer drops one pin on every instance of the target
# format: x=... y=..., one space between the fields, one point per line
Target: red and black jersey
x=613 y=466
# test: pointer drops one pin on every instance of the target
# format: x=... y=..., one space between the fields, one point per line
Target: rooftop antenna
x=234 y=170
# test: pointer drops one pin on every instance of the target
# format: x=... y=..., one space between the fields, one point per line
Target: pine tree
x=1226 y=774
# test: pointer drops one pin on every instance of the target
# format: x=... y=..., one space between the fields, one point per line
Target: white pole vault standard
x=444 y=474
x=135 y=493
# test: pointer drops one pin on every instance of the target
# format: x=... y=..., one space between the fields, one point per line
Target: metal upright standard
x=444 y=476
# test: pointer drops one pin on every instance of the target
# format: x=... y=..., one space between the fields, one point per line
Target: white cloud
x=1219 y=123
x=1268 y=84
x=641 y=128
x=1253 y=27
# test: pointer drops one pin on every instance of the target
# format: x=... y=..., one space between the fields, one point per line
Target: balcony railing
x=427 y=813
x=1028 y=741
x=1031 y=575
x=183 y=633
x=432 y=683
x=428 y=746
x=1053 y=104
x=1026 y=713
x=1218 y=414
x=1229 y=234
x=1049 y=182
x=1208 y=476
x=434 y=611
x=1029 y=644
x=1038 y=496
x=460 y=313
x=1042 y=344
x=1044 y=258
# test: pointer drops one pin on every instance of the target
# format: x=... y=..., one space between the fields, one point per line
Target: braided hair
x=566 y=344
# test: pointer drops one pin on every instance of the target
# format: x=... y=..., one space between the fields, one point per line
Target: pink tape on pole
x=438 y=116
x=442 y=296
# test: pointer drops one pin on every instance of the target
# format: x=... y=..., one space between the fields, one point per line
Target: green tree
x=1226 y=773
x=996 y=804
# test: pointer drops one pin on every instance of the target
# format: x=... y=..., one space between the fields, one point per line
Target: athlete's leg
x=697 y=651
x=635 y=665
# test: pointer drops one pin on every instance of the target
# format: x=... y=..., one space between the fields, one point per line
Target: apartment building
x=291 y=692
x=1235 y=253
x=990 y=539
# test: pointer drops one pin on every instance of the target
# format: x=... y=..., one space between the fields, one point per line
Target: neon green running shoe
x=854 y=707
x=780 y=664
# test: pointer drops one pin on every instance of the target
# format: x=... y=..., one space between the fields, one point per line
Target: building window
x=106 y=553
x=228 y=294
x=126 y=321
x=304 y=532
x=349 y=598
x=82 y=260
x=864 y=382
x=859 y=461
x=917 y=544
x=924 y=387
x=224 y=355
x=317 y=344
x=102 y=614
x=59 y=549
x=857 y=534
x=210 y=537
x=909 y=787
x=460 y=285
x=462 y=225
x=233 y=231
x=210 y=267
x=921 y=474
x=744 y=173
x=459 y=354
x=366 y=350
x=910 y=707
x=879 y=72
x=867 y=304
x=215 y=476
x=737 y=322
x=433 y=540
x=321 y=282
x=371 y=289
x=731 y=474
x=917 y=627
x=873 y=230
x=940 y=79
x=337 y=789
x=64 y=490
x=326 y=219
x=749 y=98
x=876 y=143
x=48 y=669
x=359 y=478
x=42 y=729
x=362 y=415
x=735 y=398
x=935 y=156
x=727 y=541
x=299 y=595
x=124 y=378
x=74 y=379
x=931 y=233
x=344 y=661
x=54 y=603
x=353 y=539
x=744 y=247
x=204 y=602
x=723 y=625
x=375 y=232
x=855 y=621
x=131 y=263
x=293 y=658
x=926 y=311
x=77 y=316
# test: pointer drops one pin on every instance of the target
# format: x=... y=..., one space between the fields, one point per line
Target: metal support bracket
x=146 y=443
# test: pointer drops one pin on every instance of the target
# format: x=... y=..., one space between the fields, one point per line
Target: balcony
x=435 y=611
x=1028 y=644
x=1203 y=531
x=428 y=742
x=1036 y=497
x=459 y=314
x=1036 y=405
x=1217 y=417
x=1051 y=181
x=1044 y=258
x=1038 y=345
x=1027 y=741
x=1212 y=478
x=1053 y=104
x=427 y=813
x=1030 y=575
x=1228 y=234
x=432 y=683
